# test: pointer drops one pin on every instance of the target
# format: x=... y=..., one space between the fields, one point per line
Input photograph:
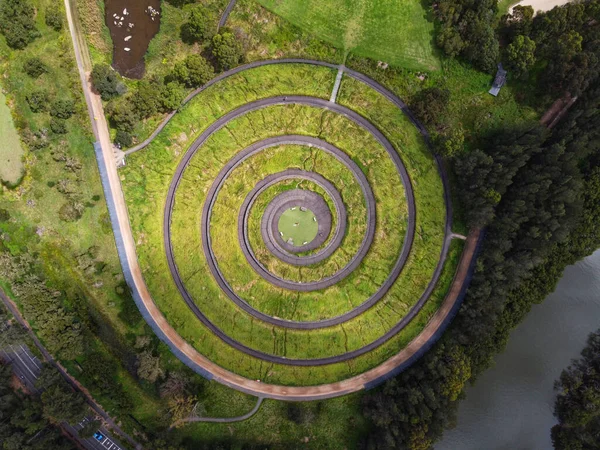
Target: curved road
x=184 y=351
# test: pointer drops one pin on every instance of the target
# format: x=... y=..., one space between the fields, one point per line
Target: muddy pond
x=132 y=25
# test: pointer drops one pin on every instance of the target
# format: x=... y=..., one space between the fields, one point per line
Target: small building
x=499 y=81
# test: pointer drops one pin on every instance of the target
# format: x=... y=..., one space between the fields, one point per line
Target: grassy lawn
x=148 y=174
x=470 y=106
x=298 y=225
x=11 y=151
x=393 y=31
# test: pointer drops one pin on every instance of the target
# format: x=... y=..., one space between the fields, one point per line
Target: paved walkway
x=226 y=13
x=222 y=419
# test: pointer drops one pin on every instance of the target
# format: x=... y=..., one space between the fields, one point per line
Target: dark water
x=510 y=407
x=132 y=24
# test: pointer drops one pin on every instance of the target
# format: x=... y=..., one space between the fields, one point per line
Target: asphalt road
x=25 y=365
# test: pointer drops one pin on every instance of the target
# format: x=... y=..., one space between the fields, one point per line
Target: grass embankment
x=11 y=151
x=397 y=32
x=149 y=173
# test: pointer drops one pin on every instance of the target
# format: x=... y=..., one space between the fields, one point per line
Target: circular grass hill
x=288 y=238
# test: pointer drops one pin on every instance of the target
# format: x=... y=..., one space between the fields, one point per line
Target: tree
x=193 y=72
x=122 y=115
x=62 y=108
x=17 y=23
x=34 y=67
x=521 y=55
x=430 y=104
x=63 y=405
x=37 y=100
x=227 y=50
x=201 y=25
x=123 y=138
x=107 y=82
x=149 y=367
x=520 y=22
x=90 y=427
x=171 y=95
x=577 y=405
x=54 y=18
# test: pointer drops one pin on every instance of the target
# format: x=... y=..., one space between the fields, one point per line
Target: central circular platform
x=297 y=226
x=292 y=209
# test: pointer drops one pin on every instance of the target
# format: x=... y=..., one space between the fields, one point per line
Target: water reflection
x=132 y=25
x=511 y=405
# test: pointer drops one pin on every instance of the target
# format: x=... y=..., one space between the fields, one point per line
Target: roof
x=499 y=81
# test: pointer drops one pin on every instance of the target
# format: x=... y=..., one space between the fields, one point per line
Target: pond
x=510 y=407
x=132 y=25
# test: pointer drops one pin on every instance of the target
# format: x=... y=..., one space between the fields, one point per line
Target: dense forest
x=577 y=405
x=537 y=194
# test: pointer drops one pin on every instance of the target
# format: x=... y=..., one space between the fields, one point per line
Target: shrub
x=34 y=67
x=71 y=212
x=62 y=108
x=58 y=126
x=430 y=104
x=122 y=115
x=37 y=100
x=227 y=50
x=123 y=138
x=17 y=23
x=201 y=25
x=146 y=100
x=54 y=18
x=107 y=82
x=171 y=96
x=193 y=72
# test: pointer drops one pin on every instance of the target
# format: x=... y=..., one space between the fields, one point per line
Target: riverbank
x=511 y=405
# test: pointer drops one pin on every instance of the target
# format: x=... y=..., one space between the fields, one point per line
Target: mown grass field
x=11 y=151
x=148 y=174
x=394 y=31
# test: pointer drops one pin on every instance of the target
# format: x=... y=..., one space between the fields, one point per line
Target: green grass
x=393 y=31
x=299 y=225
x=149 y=172
x=11 y=151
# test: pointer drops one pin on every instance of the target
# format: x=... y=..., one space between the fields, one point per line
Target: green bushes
x=107 y=82
x=466 y=29
x=17 y=23
x=62 y=108
x=193 y=72
x=34 y=67
x=58 y=126
x=227 y=50
x=200 y=25
x=37 y=100
x=430 y=104
x=54 y=18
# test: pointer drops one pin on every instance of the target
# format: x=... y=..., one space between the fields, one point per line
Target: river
x=510 y=406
